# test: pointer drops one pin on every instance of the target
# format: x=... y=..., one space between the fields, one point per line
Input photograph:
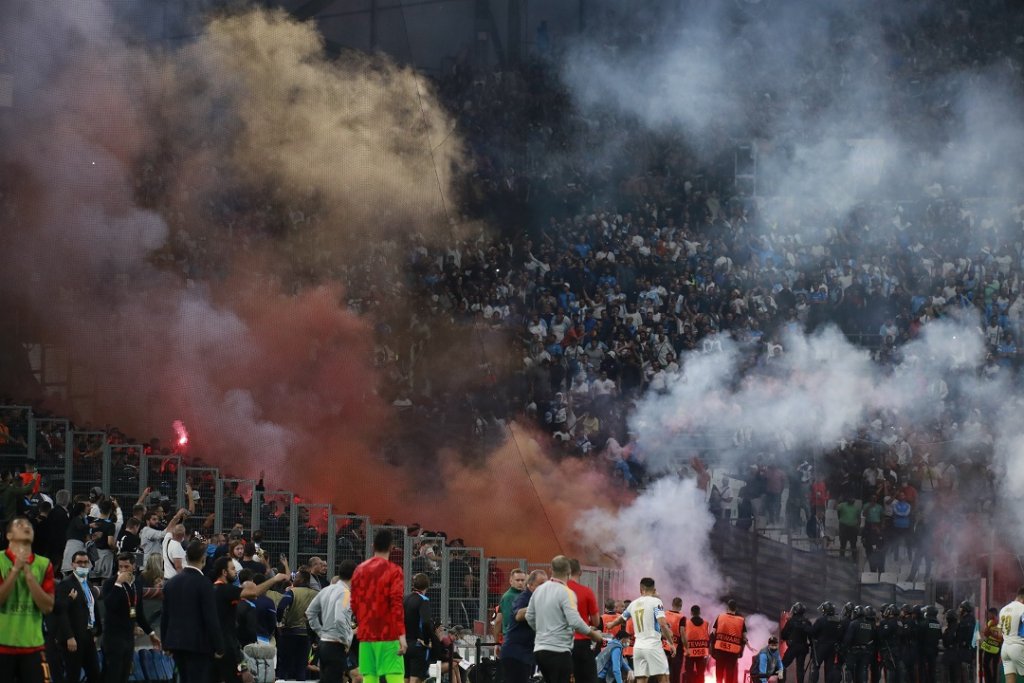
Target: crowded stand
x=586 y=294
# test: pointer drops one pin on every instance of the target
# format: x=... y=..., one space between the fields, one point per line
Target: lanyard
x=131 y=596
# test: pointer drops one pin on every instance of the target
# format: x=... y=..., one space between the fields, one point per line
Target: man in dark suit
x=77 y=616
x=122 y=600
x=56 y=528
x=188 y=624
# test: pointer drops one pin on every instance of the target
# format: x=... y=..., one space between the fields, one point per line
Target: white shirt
x=645 y=612
x=1010 y=623
x=152 y=540
x=172 y=550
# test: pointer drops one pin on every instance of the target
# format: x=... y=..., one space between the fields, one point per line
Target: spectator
x=77 y=535
x=173 y=551
x=12 y=496
x=227 y=595
x=293 y=637
x=901 y=526
x=849 y=525
x=329 y=615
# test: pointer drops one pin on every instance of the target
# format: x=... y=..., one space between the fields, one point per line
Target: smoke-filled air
x=326 y=264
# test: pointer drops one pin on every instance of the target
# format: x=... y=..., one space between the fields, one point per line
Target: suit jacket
x=51 y=535
x=118 y=625
x=189 y=621
x=72 y=615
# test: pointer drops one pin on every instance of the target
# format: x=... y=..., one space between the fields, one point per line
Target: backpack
x=487 y=671
x=260 y=660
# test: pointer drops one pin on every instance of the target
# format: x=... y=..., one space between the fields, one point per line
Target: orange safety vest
x=673 y=619
x=729 y=634
x=697 y=638
x=628 y=650
x=607 y=619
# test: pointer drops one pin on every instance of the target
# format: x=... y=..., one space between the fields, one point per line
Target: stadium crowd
x=599 y=281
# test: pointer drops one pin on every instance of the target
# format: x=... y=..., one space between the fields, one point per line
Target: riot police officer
x=827 y=635
x=908 y=643
x=860 y=643
x=951 y=649
x=929 y=635
x=965 y=639
x=845 y=618
x=797 y=634
x=889 y=645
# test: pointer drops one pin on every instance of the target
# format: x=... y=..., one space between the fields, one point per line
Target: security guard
x=797 y=634
x=860 y=643
x=827 y=635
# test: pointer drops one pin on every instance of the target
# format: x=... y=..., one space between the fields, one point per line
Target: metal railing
x=465 y=584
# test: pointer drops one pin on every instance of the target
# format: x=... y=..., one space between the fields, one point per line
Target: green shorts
x=380 y=658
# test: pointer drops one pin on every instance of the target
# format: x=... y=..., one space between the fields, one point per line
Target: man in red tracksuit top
x=377 y=593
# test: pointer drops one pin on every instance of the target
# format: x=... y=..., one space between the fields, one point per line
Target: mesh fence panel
x=462 y=605
x=234 y=505
x=427 y=557
x=350 y=541
x=125 y=461
x=164 y=476
x=275 y=524
x=14 y=435
x=498 y=571
x=314 y=532
x=203 y=481
x=87 y=463
x=52 y=447
x=401 y=553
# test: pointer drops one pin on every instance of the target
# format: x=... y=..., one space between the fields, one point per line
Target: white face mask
x=82 y=572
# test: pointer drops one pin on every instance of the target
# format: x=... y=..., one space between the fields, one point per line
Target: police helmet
x=827 y=608
x=931 y=611
x=904 y=608
x=857 y=612
x=951 y=617
x=966 y=607
x=868 y=612
x=848 y=609
x=889 y=611
x=798 y=609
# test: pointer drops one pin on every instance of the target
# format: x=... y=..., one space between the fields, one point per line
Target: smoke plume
x=165 y=201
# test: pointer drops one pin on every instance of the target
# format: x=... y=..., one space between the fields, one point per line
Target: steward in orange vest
x=698 y=636
x=728 y=638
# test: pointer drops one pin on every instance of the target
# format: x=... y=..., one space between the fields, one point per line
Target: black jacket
x=189 y=619
x=71 y=615
x=797 y=634
x=118 y=626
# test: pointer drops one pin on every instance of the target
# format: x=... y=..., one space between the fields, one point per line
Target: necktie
x=89 y=601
